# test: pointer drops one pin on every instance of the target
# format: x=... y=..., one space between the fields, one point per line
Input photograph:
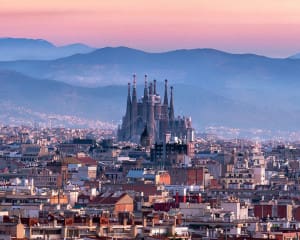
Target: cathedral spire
x=133 y=107
x=166 y=93
x=128 y=99
x=146 y=89
x=134 y=97
x=134 y=80
x=154 y=87
x=171 y=112
x=128 y=96
x=150 y=89
x=127 y=118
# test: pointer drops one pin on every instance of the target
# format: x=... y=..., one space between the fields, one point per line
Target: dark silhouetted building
x=157 y=115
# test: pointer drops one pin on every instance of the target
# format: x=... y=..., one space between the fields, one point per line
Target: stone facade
x=151 y=112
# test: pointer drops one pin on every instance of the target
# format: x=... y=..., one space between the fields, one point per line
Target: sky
x=266 y=27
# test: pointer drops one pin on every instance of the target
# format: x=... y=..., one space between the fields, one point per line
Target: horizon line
x=153 y=51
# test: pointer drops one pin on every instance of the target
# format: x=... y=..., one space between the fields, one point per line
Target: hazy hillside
x=295 y=56
x=22 y=48
x=208 y=68
x=56 y=97
x=236 y=90
x=108 y=103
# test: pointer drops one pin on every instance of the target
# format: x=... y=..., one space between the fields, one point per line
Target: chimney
x=144 y=222
x=184 y=195
x=177 y=198
x=199 y=198
x=125 y=221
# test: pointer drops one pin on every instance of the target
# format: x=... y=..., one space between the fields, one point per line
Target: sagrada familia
x=152 y=117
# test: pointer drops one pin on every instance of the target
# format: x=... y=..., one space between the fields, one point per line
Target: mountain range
x=105 y=103
x=214 y=87
x=197 y=66
x=13 y=49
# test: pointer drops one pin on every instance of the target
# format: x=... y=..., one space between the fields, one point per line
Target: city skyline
x=158 y=128
x=269 y=28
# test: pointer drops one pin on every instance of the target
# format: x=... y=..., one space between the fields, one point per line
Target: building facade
x=154 y=114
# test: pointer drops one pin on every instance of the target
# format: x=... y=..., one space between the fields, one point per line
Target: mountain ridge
x=207 y=68
x=13 y=49
x=214 y=87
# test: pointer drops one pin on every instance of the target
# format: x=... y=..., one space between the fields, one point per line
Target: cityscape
x=149 y=120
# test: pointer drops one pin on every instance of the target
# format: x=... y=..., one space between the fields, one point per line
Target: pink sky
x=268 y=27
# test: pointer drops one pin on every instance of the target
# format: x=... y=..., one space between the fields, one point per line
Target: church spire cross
x=134 y=80
x=128 y=89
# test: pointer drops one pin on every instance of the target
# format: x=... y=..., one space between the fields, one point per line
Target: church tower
x=172 y=128
x=164 y=122
x=166 y=93
x=134 y=109
x=128 y=115
x=155 y=113
x=154 y=87
x=145 y=102
x=150 y=110
x=171 y=110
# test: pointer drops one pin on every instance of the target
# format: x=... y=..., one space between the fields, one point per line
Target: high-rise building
x=157 y=116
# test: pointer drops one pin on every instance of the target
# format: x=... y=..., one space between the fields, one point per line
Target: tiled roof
x=135 y=173
x=87 y=161
x=107 y=200
x=147 y=189
x=70 y=160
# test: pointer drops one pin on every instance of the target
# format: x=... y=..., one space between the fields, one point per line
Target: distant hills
x=104 y=103
x=56 y=97
x=214 y=87
x=209 y=68
x=108 y=103
x=32 y=49
x=295 y=56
